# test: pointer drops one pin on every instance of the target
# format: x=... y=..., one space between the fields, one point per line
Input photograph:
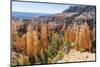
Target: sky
x=38 y=7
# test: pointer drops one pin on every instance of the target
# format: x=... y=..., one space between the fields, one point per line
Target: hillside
x=78 y=14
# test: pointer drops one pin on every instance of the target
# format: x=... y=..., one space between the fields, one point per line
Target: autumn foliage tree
x=30 y=41
x=73 y=32
x=44 y=35
x=37 y=44
x=84 y=37
x=19 y=43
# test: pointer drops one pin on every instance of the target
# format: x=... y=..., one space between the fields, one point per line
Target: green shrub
x=60 y=54
x=67 y=43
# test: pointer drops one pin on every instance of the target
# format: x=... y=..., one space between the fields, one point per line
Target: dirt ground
x=75 y=56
